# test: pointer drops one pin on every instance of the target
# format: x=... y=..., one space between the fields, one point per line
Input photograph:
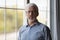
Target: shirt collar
x=36 y=23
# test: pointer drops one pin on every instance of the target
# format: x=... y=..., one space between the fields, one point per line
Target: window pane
x=2 y=24
x=10 y=20
x=20 y=4
x=11 y=3
x=2 y=3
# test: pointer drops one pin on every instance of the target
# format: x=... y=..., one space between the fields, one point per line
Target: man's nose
x=31 y=13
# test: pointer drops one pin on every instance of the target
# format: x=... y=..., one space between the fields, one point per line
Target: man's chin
x=31 y=19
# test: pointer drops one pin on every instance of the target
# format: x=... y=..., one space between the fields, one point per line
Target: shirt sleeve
x=19 y=34
x=47 y=34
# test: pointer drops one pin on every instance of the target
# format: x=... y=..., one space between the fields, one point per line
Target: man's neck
x=31 y=22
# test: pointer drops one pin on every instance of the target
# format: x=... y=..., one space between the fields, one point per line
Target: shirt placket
x=28 y=34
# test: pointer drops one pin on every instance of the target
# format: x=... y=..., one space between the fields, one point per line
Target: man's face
x=31 y=13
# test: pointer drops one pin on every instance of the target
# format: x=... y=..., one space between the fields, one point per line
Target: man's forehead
x=30 y=8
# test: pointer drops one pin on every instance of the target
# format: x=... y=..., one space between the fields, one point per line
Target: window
x=2 y=24
x=11 y=18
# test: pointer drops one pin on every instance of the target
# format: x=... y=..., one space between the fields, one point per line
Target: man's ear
x=37 y=13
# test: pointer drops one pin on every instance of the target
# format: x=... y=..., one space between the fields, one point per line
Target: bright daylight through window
x=12 y=16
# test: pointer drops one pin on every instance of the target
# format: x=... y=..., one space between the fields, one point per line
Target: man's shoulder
x=43 y=26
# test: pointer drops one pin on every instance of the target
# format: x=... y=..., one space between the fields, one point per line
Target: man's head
x=31 y=11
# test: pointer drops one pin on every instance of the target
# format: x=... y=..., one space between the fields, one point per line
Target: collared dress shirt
x=38 y=31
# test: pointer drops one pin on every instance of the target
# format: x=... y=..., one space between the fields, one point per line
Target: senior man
x=34 y=30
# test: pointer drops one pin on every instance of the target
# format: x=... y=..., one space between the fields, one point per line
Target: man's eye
x=28 y=11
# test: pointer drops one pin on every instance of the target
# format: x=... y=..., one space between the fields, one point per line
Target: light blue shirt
x=38 y=31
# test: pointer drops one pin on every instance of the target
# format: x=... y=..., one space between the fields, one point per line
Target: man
x=33 y=30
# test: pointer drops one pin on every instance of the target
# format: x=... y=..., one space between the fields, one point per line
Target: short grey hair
x=32 y=5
